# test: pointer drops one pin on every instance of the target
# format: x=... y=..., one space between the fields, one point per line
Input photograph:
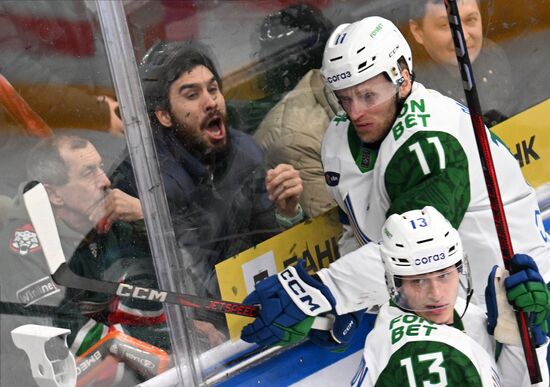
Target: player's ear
x=164 y=117
x=53 y=194
x=416 y=31
x=406 y=84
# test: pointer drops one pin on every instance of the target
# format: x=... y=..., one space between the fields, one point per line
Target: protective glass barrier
x=260 y=84
x=61 y=126
x=262 y=51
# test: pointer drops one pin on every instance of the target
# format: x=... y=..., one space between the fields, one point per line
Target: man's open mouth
x=215 y=128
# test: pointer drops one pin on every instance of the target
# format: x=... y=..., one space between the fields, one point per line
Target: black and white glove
x=526 y=291
x=288 y=301
x=338 y=338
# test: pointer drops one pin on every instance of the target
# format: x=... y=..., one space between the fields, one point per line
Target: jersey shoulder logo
x=332 y=178
x=24 y=240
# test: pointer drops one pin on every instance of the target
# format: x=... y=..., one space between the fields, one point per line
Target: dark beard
x=198 y=147
x=217 y=154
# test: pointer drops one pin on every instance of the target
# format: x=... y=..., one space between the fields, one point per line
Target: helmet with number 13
x=424 y=263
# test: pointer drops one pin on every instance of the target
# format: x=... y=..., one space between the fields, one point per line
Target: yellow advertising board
x=315 y=240
x=528 y=136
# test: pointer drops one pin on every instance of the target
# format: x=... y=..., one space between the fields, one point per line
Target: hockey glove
x=526 y=291
x=338 y=338
x=288 y=301
x=501 y=320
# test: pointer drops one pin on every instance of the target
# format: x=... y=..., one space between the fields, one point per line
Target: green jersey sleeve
x=429 y=168
x=428 y=363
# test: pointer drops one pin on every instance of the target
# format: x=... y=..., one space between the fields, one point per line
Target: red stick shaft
x=489 y=173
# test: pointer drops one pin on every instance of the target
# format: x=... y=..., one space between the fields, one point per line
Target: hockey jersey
x=28 y=295
x=429 y=157
x=406 y=350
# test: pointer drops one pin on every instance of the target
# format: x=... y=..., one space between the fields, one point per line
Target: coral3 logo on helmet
x=338 y=77
x=429 y=259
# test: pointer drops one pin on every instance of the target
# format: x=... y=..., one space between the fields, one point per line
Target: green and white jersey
x=429 y=157
x=406 y=350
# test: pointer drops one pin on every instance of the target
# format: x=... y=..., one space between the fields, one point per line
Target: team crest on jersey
x=24 y=240
x=332 y=178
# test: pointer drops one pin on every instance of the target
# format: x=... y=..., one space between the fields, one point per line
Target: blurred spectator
x=292 y=41
x=292 y=133
x=71 y=170
x=221 y=200
x=82 y=207
x=98 y=225
x=429 y=26
x=293 y=130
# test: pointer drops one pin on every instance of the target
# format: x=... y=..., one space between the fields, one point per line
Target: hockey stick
x=40 y=211
x=491 y=182
x=41 y=214
x=20 y=110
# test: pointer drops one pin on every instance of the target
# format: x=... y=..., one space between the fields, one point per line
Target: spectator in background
x=221 y=200
x=71 y=170
x=291 y=41
x=429 y=26
x=293 y=130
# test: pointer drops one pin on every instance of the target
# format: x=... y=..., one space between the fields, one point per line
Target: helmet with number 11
x=368 y=64
x=360 y=51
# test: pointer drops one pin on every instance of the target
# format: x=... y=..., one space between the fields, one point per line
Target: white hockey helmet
x=359 y=51
x=419 y=242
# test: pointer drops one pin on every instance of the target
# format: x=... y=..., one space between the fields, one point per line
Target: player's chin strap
x=468 y=298
x=470 y=289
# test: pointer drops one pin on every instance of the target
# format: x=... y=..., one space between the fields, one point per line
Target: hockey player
x=395 y=147
x=425 y=333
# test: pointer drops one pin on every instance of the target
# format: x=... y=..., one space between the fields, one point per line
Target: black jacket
x=217 y=211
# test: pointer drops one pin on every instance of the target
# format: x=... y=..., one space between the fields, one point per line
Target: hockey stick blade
x=41 y=215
